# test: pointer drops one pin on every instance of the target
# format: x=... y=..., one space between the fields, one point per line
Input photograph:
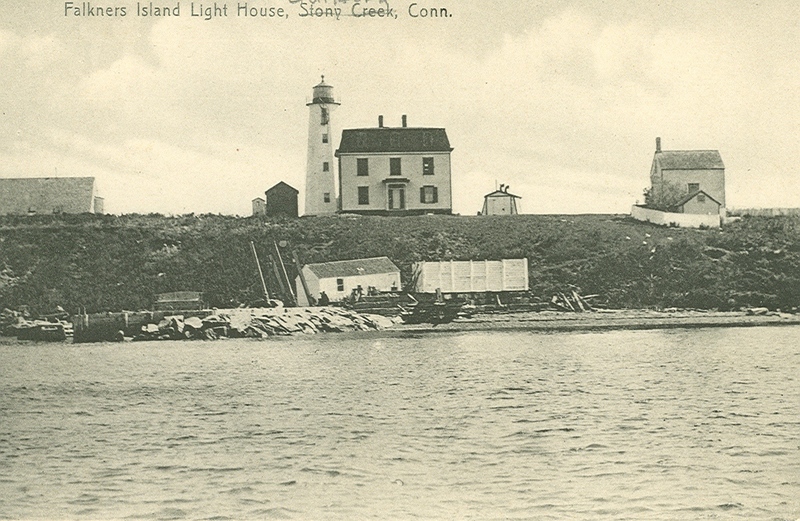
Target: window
x=394 y=166
x=324 y=118
x=324 y=138
x=339 y=284
x=694 y=187
x=326 y=167
x=429 y=194
x=326 y=197
x=701 y=198
x=363 y=195
x=427 y=166
x=362 y=166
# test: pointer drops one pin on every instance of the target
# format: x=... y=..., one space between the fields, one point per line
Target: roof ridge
x=691 y=196
x=394 y=128
x=689 y=150
x=350 y=260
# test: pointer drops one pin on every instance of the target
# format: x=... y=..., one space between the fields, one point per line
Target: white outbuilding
x=500 y=202
x=338 y=279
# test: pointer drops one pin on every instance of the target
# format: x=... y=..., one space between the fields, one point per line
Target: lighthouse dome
x=323 y=93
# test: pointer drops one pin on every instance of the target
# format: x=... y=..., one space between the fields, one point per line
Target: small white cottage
x=339 y=278
x=500 y=202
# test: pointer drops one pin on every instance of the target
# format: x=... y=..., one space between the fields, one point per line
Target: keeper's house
x=49 y=195
x=395 y=171
x=339 y=278
x=689 y=172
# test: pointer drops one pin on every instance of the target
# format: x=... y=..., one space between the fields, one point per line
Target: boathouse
x=338 y=279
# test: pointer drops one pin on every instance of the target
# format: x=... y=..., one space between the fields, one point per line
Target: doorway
x=397 y=197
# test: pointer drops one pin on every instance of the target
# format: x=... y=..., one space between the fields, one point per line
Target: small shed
x=698 y=202
x=259 y=206
x=281 y=201
x=500 y=202
x=339 y=278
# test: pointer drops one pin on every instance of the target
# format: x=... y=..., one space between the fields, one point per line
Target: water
x=665 y=425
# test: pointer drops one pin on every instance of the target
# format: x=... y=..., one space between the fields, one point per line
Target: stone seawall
x=223 y=323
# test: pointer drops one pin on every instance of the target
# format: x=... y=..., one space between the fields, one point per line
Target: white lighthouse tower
x=320 y=179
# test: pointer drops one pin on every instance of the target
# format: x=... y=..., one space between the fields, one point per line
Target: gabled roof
x=385 y=139
x=47 y=195
x=692 y=195
x=282 y=185
x=352 y=268
x=689 y=160
x=500 y=193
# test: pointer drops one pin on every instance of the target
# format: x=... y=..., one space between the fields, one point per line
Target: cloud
x=564 y=104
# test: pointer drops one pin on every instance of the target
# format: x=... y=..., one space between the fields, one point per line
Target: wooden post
x=309 y=298
x=578 y=300
x=260 y=273
x=285 y=275
x=278 y=276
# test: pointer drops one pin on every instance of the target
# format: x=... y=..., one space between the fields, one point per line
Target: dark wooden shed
x=281 y=201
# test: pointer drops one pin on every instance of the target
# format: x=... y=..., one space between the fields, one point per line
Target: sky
x=560 y=100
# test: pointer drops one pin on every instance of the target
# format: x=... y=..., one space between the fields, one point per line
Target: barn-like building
x=48 y=195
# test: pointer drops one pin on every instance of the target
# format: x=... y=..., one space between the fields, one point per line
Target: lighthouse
x=320 y=181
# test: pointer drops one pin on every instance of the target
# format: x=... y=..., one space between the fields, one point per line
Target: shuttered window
x=429 y=194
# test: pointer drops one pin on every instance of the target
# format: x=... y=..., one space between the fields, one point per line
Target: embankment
x=112 y=263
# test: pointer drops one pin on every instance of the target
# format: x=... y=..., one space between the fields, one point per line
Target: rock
x=193 y=322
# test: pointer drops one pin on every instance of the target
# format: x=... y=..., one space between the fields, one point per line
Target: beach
x=608 y=320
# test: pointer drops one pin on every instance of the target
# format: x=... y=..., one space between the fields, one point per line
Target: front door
x=397 y=197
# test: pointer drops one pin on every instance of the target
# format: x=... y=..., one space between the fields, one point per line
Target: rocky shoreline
x=266 y=324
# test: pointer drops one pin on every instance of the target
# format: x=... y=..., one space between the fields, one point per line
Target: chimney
x=658 y=144
x=405 y=121
x=380 y=121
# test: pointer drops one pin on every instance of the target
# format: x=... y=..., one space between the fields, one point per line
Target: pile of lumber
x=572 y=301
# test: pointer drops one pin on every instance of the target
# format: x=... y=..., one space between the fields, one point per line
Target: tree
x=663 y=195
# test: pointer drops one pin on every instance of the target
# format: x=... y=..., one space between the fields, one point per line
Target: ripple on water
x=616 y=425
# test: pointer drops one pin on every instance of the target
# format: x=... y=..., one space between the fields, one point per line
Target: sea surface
x=664 y=425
